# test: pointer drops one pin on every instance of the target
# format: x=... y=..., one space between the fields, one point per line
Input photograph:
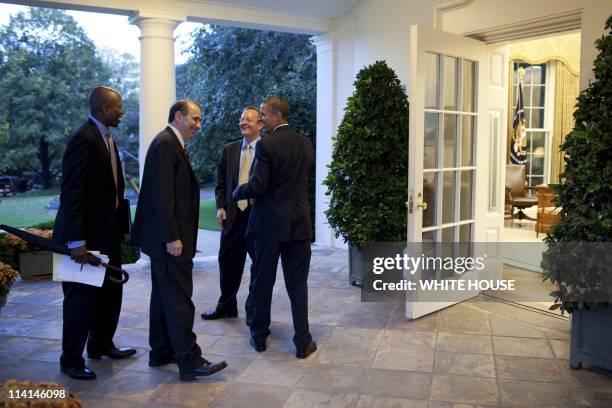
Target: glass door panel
x=448 y=147
x=450 y=83
x=432 y=62
x=431 y=140
x=450 y=140
x=448 y=197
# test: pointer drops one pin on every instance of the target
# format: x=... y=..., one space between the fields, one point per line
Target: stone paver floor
x=474 y=354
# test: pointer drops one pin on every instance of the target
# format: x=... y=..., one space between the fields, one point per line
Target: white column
x=157 y=78
x=326 y=128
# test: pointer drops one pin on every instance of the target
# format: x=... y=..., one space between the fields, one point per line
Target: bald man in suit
x=93 y=215
x=233 y=168
x=166 y=229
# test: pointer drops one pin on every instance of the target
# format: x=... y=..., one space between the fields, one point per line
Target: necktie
x=113 y=157
x=243 y=177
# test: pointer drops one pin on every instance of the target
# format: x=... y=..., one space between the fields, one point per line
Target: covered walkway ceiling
x=298 y=16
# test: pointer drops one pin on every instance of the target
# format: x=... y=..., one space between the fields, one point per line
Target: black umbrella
x=58 y=248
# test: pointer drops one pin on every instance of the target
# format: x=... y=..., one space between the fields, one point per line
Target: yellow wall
x=565 y=48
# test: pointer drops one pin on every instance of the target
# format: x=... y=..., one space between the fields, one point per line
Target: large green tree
x=47 y=68
x=124 y=77
x=230 y=68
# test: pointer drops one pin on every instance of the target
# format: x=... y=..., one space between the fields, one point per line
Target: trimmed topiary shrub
x=368 y=176
x=585 y=195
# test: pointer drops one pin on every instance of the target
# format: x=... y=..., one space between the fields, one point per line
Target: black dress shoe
x=214 y=314
x=258 y=344
x=79 y=373
x=206 y=369
x=159 y=363
x=306 y=351
x=113 y=353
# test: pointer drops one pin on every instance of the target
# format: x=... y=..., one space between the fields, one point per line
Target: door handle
x=422 y=206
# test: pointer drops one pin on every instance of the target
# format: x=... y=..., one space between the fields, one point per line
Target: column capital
x=324 y=42
x=156 y=20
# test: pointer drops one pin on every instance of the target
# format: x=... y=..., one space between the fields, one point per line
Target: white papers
x=65 y=269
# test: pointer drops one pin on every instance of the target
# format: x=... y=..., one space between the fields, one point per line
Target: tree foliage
x=124 y=77
x=231 y=68
x=368 y=176
x=585 y=192
x=47 y=68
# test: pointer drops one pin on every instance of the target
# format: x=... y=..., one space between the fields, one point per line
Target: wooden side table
x=548 y=212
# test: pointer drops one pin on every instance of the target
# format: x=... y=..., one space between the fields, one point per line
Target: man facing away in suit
x=233 y=216
x=166 y=229
x=280 y=222
x=92 y=216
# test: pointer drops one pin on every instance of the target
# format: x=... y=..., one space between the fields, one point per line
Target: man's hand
x=79 y=255
x=221 y=216
x=175 y=248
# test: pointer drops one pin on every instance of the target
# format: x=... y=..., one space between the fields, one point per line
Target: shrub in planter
x=368 y=176
x=7 y=277
x=585 y=192
x=581 y=275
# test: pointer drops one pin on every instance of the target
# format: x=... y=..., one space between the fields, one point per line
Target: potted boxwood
x=368 y=176
x=578 y=254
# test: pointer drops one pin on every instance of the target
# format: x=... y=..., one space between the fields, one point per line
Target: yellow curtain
x=566 y=91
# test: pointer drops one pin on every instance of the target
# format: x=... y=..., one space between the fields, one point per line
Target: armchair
x=517 y=192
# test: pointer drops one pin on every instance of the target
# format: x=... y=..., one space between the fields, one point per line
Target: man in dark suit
x=166 y=229
x=280 y=222
x=233 y=217
x=92 y=216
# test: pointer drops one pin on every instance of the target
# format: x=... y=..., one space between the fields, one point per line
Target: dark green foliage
x=368 y=176
x=129 y=254
x=47 y=68
x=231 y=68
x=585 y=192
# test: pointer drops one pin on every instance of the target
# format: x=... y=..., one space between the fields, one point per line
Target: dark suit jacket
x=228 y=174
x=88 y=191
x=169 y=201
x=279 y=183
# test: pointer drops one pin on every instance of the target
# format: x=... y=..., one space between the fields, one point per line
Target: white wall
x=482 y=15
x=594 y=17
x=374 y=30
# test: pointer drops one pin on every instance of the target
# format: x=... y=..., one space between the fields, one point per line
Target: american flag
x=519 y=140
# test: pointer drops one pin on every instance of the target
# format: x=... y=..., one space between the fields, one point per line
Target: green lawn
x=26 y=209
x=208 y=215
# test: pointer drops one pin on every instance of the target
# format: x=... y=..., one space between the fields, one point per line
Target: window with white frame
x=535 y=84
